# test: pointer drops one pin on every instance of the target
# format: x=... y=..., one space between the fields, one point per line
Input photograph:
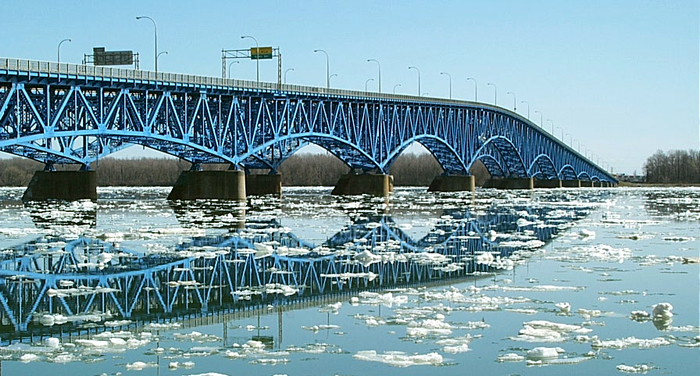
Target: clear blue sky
x=620 y=77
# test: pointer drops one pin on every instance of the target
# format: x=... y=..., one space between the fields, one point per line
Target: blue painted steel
x=78 y=114
x=85 y=280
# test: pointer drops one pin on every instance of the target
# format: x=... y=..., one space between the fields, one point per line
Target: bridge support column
x=263 y=184
x=223 y=185
x=452 y=183
x=547 y=183
x=586 y=183
x=358 y=184
x=62 y=185
x=510 y=183
x=571 y=183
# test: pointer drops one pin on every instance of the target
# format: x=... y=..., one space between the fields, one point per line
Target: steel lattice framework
x=85 y=280
x=61 y=113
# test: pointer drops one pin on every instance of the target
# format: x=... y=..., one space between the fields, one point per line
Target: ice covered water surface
x=576 y=303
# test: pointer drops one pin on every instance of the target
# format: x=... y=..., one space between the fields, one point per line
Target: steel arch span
x=62 y=113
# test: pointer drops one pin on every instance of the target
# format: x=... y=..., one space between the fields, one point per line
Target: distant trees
x=674 y=167
x=299 y=170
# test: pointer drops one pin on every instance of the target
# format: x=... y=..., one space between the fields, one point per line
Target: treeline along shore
x=673 y=167
x=299 y=170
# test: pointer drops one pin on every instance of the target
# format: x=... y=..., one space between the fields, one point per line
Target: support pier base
x=263 y=184
x=223 y=185
x=62 y=185
x=510 y=183
x=358 y=184
x=452 y=183
x=547 y=183
x=571 y=183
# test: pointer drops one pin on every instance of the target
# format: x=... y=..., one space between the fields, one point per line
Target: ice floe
x=399 y=359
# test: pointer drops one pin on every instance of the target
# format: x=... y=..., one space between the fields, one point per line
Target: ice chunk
x=399 y=359
x=639 y=368
x=510 y=357
x=544 y=353
x=662 y=311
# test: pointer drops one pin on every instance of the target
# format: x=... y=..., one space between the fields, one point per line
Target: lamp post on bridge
x=570 y=142
x=366 y=82
x=562 y=133
x=476 y=98
x=59 y=48
x=285 y=74
x=417 y=70
x=161 y=53
x=514 y=106
x=155 y=39
x=328 y=77
x=495 y=94
x=257 y=61
x=395 y=86
x=229 y=67
x=331 y=76
x=528 y=108
x=578 y=145
x=541 y=123
x=379 y=66
x=450 y=80
x=551 y=121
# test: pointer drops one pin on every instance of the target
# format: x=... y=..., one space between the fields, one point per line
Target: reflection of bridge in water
x=52 y=285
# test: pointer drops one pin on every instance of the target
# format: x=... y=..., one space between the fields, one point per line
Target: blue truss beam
x=87 y=113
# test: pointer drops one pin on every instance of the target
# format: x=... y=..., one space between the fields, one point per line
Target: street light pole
x=570 y=142
x=59 y=48
x=285 y=74
x=551 y=121
x=155 y=39
x=257 y=60
x=332 y=75
x=476 y=99
x=366 y=82
x=395 y=86
x=514 y=107
x=495 y=94
x=541 y=123
x=160 y=53
x=528 y=108
x=328 y=77
x=379 y=66
x=417 y=70
x=450 y=79
x=229 y=67
x=562 y=133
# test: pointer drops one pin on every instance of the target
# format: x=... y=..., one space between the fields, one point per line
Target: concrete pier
x=223 y=185
x=571 y=183
x=510 y=183
x=263 y=184
x=358 y=184
x=62 y=185
x=452 y=183
x=547 y=183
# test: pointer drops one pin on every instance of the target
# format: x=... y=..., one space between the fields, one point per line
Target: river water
x=615 y=291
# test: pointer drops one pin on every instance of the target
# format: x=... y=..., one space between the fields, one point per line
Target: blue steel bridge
x=53 y=285
x=76 y=114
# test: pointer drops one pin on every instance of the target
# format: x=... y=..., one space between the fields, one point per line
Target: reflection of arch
x=545 y=167
x=511 y=162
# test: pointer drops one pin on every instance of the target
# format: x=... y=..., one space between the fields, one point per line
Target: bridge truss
x=61 y=113
x=51 y=281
